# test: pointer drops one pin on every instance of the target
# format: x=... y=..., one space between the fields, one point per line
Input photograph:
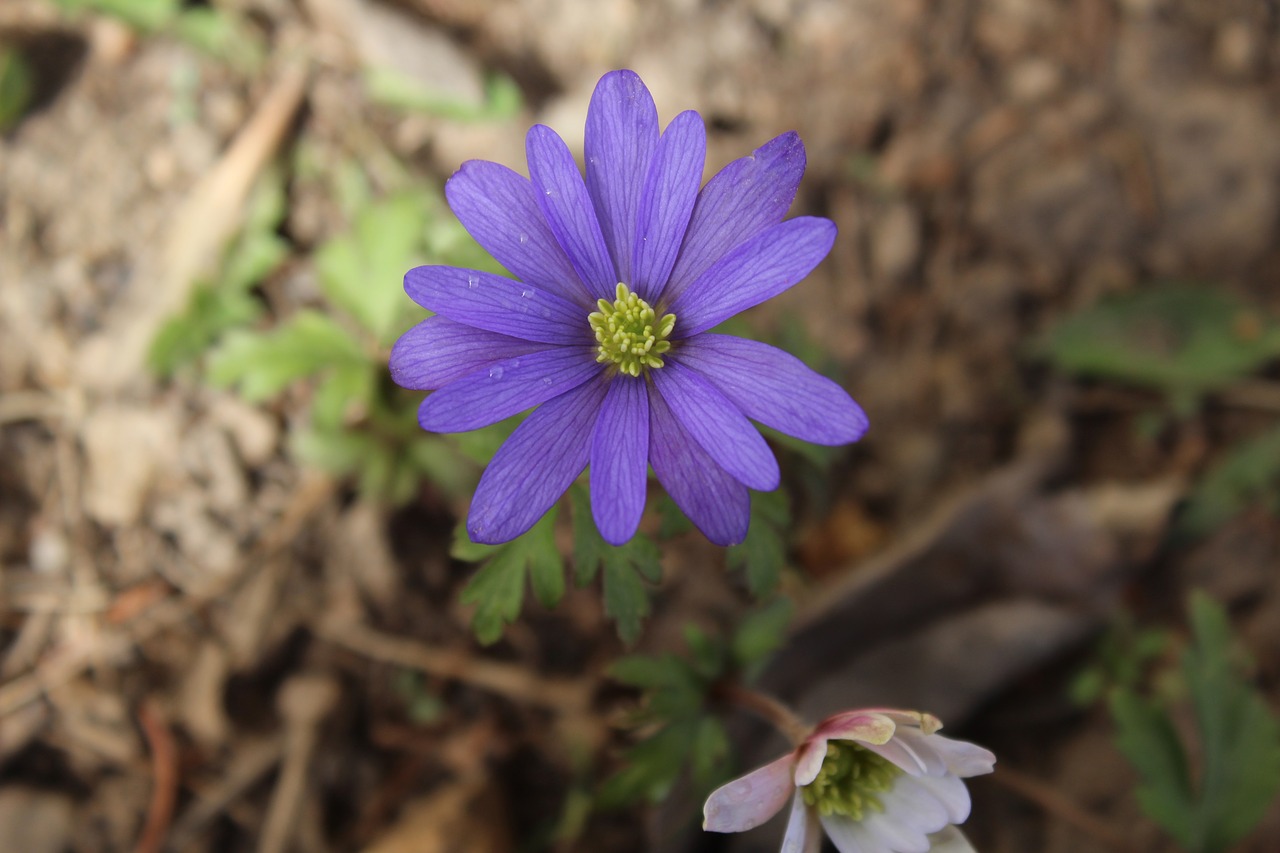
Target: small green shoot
x=679 y=700
x=17 y=86
x=1180 y=340
x=1209 y=794
x=215 y=32
x=624 y=569
x=1247 y=476
x=763 y=554
x=497 y=589
x=387 y=86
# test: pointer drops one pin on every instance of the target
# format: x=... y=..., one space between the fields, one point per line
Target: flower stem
x=771 y=710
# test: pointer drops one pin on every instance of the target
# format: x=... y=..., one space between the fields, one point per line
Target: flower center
x=629 y=332
x=850 y=782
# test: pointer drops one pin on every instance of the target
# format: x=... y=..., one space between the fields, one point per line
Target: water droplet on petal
x=524 y=238
x=495 y=373
x=472 y=281
x=526 y=294
x=546 y=380
x=546 y=313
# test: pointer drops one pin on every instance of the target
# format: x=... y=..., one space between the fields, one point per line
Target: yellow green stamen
x=629 y=332
x=850 y=782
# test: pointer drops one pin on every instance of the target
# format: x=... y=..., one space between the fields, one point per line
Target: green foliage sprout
x=1209 y=803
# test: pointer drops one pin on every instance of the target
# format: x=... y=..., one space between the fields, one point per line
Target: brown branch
x=766 y=707
x=164 y=782
x=1058 y=805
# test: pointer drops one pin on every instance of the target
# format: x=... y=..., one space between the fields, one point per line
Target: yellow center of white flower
x=629 y=332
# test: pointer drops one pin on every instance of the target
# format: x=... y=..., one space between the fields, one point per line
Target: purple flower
x=876 y=781
x=605 y=327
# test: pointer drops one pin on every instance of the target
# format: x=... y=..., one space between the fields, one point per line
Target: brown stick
x=766 y=707
x=164 y=782
x=1058 y=805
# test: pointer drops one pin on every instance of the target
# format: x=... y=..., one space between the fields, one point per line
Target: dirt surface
x=207 y=647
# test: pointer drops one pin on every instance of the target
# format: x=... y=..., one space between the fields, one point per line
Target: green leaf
x=652 y=766
x=624 y=568
x=361 y=272
x=396 y=89
x=708 y=654
x=761 y=633
x=710 y=751
x=145 y=15
x=221 y=35
x=1182 y=340
x=16 y=86
x=262 y=364
x=1248 y=475
x=1240 y=736
x=764 y=552
x=497 y=590
x=1146 y=736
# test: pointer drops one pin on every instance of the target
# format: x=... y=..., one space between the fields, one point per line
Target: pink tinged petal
x=756 y=271
x=963 y=758
x=498 y=304
x=905 y=756
x=951 y=793
x=667 y=201
x=749 y=800
x=621 y=136
x=950 y=840
x=507 y=388
x=809 y=760
x=620 y=460
x=499 y=208
x=911 y=801
x=804 y=833
x=868 y=728
x=437 y=351
x=743 y=199
x=850 y=836
x=713 y=500
x=716 y=424
x=565 y=204
x=775 y=388
x=532 y=469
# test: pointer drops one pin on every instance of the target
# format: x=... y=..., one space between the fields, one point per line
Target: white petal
x=899 y=836
x=750 y=800
x=804 y=834
x=812 y=753
x=909 y=801
x=951 y=792
x=963 y=758
x=950 y=840
x=850 y=836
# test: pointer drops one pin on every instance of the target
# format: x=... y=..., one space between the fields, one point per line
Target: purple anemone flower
x=604 y=328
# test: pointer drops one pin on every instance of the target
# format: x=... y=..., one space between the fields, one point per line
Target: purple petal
x=620 y=460
x=743 y=199
x=717 y=425
x=749 y=800
x=713 y=500
x=669 y=193
x=437 y=351
x=498 y=304
x=564 y=201
x=621 y=135
x=499 y=208
x=775 y=388
x=506 y=388
x=804 y=833
x=535 y=465
x=760 y=269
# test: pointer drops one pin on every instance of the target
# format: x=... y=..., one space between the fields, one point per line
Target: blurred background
x=230 y=613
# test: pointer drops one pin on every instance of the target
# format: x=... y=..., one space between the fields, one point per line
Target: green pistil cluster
x=850 y=782
x=630 y=333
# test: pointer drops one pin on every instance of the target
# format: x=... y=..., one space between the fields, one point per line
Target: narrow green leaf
x=764 y=552
x=1147 y=738
x=761 y=633
x=497 y=589
x=1246 y=476
x=625 y=568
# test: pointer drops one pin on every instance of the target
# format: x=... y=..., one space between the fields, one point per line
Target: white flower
x=876 y=781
